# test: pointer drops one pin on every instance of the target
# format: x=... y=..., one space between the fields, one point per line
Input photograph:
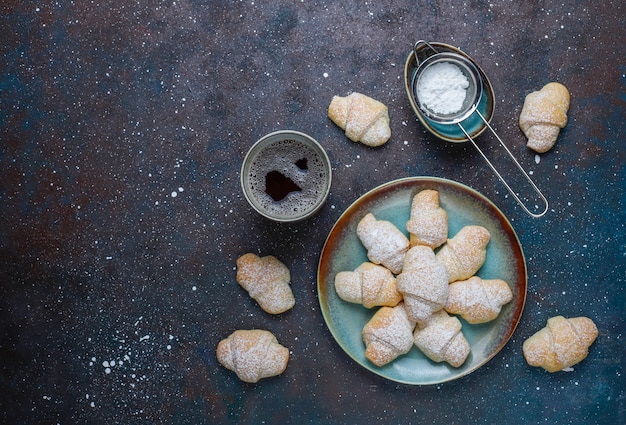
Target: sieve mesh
x=473 y=92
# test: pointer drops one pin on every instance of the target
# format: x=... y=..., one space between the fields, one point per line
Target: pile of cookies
x=418 y=284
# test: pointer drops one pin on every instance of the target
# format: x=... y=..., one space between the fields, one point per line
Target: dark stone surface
x=108 y=109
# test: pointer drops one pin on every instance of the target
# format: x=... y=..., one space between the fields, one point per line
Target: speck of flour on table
x=175 y=193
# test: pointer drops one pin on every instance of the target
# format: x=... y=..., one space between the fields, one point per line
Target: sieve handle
x=493 y=168
x=420 y=43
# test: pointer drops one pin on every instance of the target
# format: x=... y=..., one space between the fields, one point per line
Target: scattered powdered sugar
x=175 y=193
x=127 y=362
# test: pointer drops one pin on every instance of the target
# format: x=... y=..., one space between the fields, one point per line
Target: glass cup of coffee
x=286 y=176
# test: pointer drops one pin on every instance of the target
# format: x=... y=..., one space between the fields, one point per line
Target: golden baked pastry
x=266 y=280
x=478 y=300
x=543 y=116
x=465 y=253
x=252 y=354
x=369 y=284
x=441 y=339
x=561 y=344
x=423 y=283
x=385 y=244
x=364 y=119
x=387 y=335
x=428 y=222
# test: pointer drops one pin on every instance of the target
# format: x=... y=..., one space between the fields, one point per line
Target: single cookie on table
x=561 y=344
x=266 y=280
x=252 y=354
x=364 y=119
x=543 y=116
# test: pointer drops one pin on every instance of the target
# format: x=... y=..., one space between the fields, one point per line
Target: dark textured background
x=108 y=108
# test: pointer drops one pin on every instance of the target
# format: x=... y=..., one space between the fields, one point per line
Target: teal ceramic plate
x=343 y=251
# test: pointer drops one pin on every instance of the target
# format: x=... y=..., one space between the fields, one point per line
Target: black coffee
x=279 y=186
x=287 y=178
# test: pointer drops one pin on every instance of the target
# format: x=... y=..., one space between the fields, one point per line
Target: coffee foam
x=282 y=156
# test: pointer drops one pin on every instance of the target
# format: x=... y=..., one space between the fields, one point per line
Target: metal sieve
x=473 y=92
x=473 y=116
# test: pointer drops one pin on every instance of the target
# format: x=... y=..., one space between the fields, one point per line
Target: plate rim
x=425 y=180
